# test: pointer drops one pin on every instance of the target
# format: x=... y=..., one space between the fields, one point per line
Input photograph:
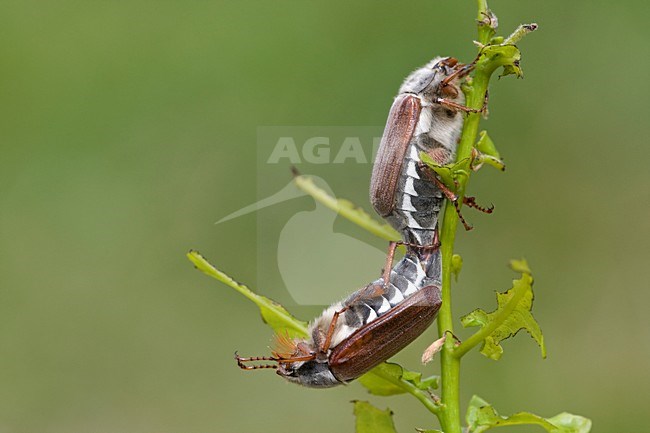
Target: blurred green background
x=129 y=128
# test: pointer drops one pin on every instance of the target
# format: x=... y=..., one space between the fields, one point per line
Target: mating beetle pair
x=374 y=323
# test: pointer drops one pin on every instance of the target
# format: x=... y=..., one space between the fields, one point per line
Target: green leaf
x=450 y=173
x=346 y=209
x=497 y=40
x=372 y=420
x=569 y=423
x=513 y=314
x=273 y=314
x=481 y=159
x=486 y=153
x=495 y=56
x=419 y=430
x=387 y=379
x=513 y=69
x=486 y=146
x=481 y=417
x=519 y=33
x=383 y=380
x=431 y=382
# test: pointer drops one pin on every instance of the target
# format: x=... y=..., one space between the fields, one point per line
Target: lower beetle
x=371 y=325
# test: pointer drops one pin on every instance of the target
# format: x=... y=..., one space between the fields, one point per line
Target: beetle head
x=314 y=373
x=435 y=78
x=423 y=78
x=297 y=361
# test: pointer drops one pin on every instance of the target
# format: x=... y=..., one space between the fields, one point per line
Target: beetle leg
x=453 y=198
x=460 y=72
x=436 y=240
x=471 y=202
x=392 y=246
x=241 y=361
x=466 y=109
x=330 y=331
x=371 y=290
x=456 y=106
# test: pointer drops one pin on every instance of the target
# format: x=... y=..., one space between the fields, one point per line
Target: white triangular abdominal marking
x=412 y=288
x=396 y=298
x=411 y=169
x=408 y=187
x=385 y=306
x=406 y=204
x=414 y=153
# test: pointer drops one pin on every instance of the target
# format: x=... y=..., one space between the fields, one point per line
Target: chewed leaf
x=513 y=69
x=481 y=417
x=569 y=423
x=273 y=314
x=505 y=55
x=372 y=420
x=346 y=209
x=388 y=379
x=486 y=153
x=513 y=314
x=427 y=383
x=383 y=380
x=486 y=146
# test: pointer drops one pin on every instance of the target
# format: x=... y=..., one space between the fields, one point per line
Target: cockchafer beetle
x=371 y=325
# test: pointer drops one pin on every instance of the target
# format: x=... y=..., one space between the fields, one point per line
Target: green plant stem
x=449 y=416
x=450 y=364
x=484 y=32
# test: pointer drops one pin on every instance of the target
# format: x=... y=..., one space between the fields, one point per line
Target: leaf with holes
x=513 y=314
x=506 y=56
x=481 y=417
x=372 y=420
